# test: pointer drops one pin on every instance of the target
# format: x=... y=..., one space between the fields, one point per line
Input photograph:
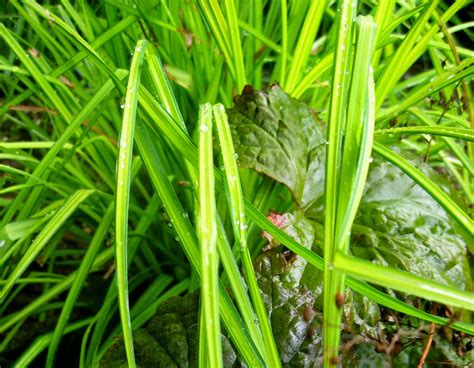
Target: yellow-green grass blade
x=356 y=285
x=124 y=163
x=403 y=281
x=50 y=229
x=240 y=231
x=398 y=64
x=334 y=281
x=183 y=144
x=443 y=131
x=305 y=42
x=78 y=284
x=464 y=70
x=431 y=188
x=189 y=240
x=210 y=324
x=42 y=170
x=42 y=342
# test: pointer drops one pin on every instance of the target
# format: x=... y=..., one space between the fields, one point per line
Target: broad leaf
x=280 y=137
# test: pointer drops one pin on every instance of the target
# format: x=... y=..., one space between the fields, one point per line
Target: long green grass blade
x=403 y=281
x=432 y=189
x=240 y=231
x=124 y=162
x=207 y=237
x=51 y=228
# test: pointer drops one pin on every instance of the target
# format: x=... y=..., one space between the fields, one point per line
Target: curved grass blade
x=462 y=71
x=189 y=240
x=42 y=342
x=432 y=189
x=210 y=327
x=444 y=131
x=240 y=231
x=186 y=146
x=403 y=281
x=358 y=286
x=51 y=228
x=303 y=48
x=78 y=284
x=123 y=194
x=333 y=281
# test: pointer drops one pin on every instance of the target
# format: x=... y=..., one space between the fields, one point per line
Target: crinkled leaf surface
x=401 y=225
x=398 y=223
x=278 y=136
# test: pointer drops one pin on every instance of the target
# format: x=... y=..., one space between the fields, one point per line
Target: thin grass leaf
x=240 y=231
x=403 y=281
x=460 y=133
x=235 y=41
x=42 y=342
x=189 y=241
x=207 y=236
x=432 y=189
x=123 y=195
x=51 y=228
x=463 y=71
x=398 y=64
x=303 y=48
x=334 y=282
x=78 y=284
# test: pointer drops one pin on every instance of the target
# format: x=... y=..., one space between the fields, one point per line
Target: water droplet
x=2 y=243
x=138 y=49
x=371 y=159
x=236 y=156
x=241 y=214
x=326 y=142
x=185 y=215
x=122 y=106
x=176 y=238
x=203 y=128
x=170 y=224
x=243 y=226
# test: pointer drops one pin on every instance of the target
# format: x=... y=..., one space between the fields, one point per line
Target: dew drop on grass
x=122 y=106
x=185 y=215
x=236 y=156
x=203 y=128
x=371 y=159
x=138 y=49
x=2 y=243
x=243 y=226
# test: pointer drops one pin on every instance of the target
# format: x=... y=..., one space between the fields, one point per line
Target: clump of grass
x=91 y=134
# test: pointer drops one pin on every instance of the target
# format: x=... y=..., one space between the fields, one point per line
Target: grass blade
x=240 y=231
x=51 y=228
x=78 y=284
x=123 y=195
x=432 y=189
x=207 y=234
x=403 y=281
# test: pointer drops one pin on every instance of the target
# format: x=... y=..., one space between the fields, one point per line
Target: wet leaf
x=280 y=137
